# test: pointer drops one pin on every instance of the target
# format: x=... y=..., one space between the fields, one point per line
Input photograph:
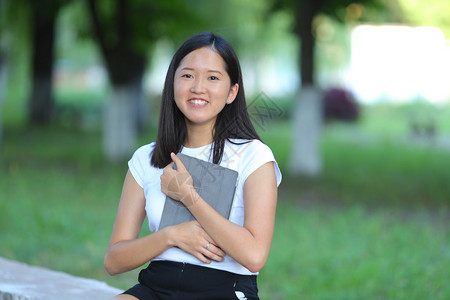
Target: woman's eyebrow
x=192 y=69
x=215 y=71
x=186 y=69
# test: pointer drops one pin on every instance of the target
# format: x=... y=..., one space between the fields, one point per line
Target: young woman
x=203 y=114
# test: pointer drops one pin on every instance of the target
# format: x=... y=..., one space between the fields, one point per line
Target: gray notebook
x=215 y=184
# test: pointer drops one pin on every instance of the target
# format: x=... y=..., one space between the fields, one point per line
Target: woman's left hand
x=178 y=184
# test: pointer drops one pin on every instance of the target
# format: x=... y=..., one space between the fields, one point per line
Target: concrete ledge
x=20 y=281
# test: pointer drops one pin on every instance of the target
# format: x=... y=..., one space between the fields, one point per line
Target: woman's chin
x=200 y=121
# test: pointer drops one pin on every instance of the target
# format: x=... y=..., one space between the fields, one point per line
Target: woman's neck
x=198 y=135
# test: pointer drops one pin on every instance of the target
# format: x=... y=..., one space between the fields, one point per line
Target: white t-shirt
x=244 y=158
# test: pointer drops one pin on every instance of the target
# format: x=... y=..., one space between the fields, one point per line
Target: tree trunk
x=307 y=120
x=141 y=106
x=307 y=123
x=119 y=124
x=125 y=113
x=41 y=101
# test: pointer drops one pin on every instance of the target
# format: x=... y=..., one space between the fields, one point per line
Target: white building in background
x=399 y=63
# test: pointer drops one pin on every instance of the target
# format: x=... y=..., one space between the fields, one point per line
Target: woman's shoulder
x=248 y=145
x=247 y=150
x=143 y=153
x=145 y=149
x=249 y=155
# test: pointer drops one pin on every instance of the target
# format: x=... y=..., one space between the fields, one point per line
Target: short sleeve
x=256 y=155
x=139 y=162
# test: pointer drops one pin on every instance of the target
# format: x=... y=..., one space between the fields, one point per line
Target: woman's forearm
x=127 y=255
x=235 y=240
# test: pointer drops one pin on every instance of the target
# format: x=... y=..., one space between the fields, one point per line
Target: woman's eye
x=187 y=76
x=213 y=78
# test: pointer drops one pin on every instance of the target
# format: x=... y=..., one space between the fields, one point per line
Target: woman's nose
x=197 y=86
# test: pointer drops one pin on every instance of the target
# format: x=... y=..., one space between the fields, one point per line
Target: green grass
x=373 y=226
x=352 y=253
x=370 y=170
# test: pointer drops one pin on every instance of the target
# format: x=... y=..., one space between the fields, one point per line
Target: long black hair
x=233 y=122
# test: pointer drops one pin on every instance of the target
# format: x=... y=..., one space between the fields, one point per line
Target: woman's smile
x=198 y=102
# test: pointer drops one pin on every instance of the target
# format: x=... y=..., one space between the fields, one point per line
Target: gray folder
x=215 y=184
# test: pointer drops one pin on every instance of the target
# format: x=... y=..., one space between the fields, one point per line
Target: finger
x=211 y=254
x=177 y=161
x=169 y=166
x=168 y=170
x=220 y=252
x=214 y=249
x=215 y=257
x=164 y=181
x=208 y=238
x=203 y=258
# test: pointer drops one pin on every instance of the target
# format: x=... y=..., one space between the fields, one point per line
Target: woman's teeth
x=198 y=102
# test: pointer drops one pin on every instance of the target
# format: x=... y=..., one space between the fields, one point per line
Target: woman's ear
x=233 y=93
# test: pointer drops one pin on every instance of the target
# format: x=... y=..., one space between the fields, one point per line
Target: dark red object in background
x=340 y=104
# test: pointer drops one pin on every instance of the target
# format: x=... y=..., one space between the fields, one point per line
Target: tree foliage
x=430 y=13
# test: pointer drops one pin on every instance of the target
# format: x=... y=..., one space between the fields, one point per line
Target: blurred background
x=353 y=97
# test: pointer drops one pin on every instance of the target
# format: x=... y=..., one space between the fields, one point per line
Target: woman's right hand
x=192 y=238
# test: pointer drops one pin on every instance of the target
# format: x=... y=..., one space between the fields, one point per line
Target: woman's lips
x=198 y=102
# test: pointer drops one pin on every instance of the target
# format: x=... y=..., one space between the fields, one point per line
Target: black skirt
x=181 y=281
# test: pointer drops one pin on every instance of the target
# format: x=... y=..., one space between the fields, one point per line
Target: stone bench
x=20 y=281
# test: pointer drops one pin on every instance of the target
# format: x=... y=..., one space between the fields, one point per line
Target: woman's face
x=202 y=86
